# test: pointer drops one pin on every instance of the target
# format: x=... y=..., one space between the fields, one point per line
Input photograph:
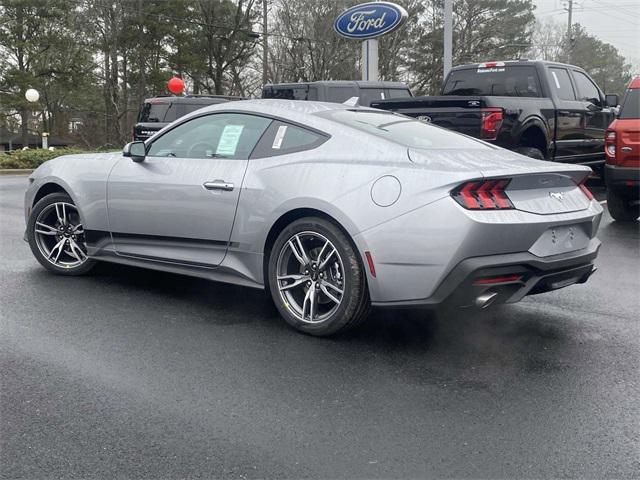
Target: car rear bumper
x=537 y=275
x=622 y=179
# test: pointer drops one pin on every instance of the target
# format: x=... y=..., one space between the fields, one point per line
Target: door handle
x=626 y=149
x=218 y=185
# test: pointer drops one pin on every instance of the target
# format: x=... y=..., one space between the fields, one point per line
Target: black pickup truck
x=541 y=109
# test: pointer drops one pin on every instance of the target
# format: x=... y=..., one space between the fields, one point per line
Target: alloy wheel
x=59 y=235
x=310 y=277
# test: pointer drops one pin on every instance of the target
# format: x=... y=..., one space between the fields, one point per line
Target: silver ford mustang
x=331 y=208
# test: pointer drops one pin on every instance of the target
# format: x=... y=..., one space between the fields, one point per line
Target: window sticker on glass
x=229 y=140
x=277 y=141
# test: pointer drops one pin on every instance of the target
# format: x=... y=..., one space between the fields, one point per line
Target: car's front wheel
x=316 y=278
x=622 y=208
x=56 y=236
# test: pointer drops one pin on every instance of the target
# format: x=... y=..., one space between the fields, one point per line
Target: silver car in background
x=331 y=208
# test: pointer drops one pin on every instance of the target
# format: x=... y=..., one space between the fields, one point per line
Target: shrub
x=33 y=158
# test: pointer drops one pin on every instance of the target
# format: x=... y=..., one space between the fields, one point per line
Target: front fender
x=84 y=178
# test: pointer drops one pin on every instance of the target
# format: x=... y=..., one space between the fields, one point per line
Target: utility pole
x=569 y=41
x=448 y=37
x=265 y=43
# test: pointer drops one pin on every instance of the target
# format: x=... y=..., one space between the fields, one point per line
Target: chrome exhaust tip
x=486 y=299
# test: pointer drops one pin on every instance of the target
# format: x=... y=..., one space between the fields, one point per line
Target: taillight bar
x=483 y=195
x=585 y=190
x=491 y=122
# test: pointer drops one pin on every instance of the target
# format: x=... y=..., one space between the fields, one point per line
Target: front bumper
x=537 y=275
x=622 y=179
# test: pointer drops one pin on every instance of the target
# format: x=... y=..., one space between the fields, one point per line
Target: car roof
x=341 y=83
x=522 y=61
x=296 y=111
x=192 y=99
x=635 y=83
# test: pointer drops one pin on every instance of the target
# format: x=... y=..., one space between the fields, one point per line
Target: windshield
x=631 y=106
x=403 y=130
x=153 y=112
x=515 y=81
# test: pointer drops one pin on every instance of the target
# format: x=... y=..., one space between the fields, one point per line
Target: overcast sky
x=613 y=21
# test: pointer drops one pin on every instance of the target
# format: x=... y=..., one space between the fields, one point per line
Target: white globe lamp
x=32 y=95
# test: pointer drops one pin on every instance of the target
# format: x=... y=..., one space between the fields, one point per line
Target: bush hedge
x=33 y=158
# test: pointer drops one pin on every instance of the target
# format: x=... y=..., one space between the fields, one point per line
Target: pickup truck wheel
x=621 y=208
x=530 y=152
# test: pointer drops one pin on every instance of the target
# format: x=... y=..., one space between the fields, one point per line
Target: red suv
x=622 y=146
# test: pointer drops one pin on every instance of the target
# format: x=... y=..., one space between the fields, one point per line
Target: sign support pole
x=448 y=37
x=370 y=60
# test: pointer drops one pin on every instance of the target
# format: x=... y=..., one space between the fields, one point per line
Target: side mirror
x=136 y=150
x=611 y=100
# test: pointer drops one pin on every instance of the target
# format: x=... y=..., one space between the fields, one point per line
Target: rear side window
x=153 y=112
x=340 y=94
x=508 y=81
x=283 y=138
x=561 y=83
x=398 y=93
x=368 y=95
x=631 y=104
x=190 y=107
x=303 y=92
x=587 y=91
x=403 y=130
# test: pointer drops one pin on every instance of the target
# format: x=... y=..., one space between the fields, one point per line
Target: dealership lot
x=130 y=373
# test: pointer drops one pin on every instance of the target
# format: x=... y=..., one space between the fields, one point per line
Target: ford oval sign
x=369 y=20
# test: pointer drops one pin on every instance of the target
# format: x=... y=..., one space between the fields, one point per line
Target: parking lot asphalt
x=130 y=373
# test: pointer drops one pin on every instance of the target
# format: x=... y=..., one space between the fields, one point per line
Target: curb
x=16 y=171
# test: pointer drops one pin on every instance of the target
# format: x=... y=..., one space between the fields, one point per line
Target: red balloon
x=176 y=85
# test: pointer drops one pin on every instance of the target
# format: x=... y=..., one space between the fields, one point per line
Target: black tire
x=621 y=208
x=530 y=152
x=82 y=268
x=354 y=306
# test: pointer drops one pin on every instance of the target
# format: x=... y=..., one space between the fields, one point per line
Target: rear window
x=631 y=104
x=403 y=130
x=516 y=81
x=368 y=95
x=303 y=92
x=191 y=107
x=153 y=112
x=398 y=93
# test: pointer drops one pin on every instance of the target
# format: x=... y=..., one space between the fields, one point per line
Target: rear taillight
x=491 y=121
x=483 y=195
x=585 y=190
x=610 y=145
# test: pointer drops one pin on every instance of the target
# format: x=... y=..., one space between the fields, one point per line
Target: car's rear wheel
x=56 y=236
x=622 y=208
x=316 y=278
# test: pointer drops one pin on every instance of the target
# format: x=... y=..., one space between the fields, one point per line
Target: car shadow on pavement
x=510 y=336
